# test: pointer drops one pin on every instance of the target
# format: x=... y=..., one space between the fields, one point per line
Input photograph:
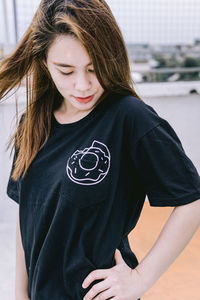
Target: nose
x=82 y=82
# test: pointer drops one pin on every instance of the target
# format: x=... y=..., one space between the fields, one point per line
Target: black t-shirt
x=85 y=190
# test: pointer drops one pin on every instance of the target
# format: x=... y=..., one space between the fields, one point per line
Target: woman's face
x=72 y=72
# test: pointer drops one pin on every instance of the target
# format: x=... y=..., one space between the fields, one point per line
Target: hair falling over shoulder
x=93 y=23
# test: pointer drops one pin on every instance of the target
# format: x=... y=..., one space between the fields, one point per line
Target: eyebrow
x=68 y=66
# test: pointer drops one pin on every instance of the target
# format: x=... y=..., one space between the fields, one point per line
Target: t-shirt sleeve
x=168 y=175
x=13 y=186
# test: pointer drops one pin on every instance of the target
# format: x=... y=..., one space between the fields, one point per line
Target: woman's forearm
x=21 y=277
x=175 y=235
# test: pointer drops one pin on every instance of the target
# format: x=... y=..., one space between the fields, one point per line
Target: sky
x=141 y=21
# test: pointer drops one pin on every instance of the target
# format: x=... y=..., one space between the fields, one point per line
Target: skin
x=82 y=82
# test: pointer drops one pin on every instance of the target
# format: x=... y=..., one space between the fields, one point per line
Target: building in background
x=156 y=58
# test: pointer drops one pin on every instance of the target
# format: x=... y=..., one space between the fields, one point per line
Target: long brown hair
x=93 y=23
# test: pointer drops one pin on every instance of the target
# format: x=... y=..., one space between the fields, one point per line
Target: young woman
x=87 y=152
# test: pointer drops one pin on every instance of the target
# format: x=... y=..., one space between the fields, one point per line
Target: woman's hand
x=120 y=282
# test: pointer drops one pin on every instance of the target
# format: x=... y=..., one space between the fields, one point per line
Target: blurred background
x=163 y=42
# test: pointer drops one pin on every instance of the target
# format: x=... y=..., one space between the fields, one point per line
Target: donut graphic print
x=90 y=165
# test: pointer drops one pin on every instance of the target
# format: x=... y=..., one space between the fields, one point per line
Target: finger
x=96 y=274
x=118 y=257
x=96 y=289
x=106 y=294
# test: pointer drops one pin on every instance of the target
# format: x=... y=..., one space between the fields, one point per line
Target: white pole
x=15 y=20
x=5 y=18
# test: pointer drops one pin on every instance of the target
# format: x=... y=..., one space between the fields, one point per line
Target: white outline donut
x=102 y=158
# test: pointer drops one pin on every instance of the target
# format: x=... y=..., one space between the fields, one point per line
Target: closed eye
x=92 y=71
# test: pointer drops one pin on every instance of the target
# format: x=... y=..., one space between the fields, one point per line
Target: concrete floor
x=181 y=280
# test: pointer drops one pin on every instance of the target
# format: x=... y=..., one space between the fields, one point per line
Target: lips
x=84 y=100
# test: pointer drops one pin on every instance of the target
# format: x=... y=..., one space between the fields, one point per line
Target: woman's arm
x=21 y=277
x=174 y=237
